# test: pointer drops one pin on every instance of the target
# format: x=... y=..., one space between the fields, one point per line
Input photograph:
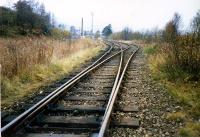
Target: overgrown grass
x=63 y=60
x=22 y=53
x=190 y=130
x=176 y=116
x=180 y=84
x=151 y=49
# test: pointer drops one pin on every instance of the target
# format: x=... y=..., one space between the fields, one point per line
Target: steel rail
x=107 y=114
x=35 y=109
x=17 y=119
x=115 y=84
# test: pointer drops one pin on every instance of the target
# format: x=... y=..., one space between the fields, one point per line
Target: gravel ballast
x=154 y=104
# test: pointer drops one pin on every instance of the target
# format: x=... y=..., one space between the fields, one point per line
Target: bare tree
x=171 y=33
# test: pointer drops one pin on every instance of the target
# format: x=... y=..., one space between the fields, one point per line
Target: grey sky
x=136 y=14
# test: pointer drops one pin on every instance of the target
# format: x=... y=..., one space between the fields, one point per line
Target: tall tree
x=171 y=34
x=25 y=16
x=172 y=29
x=107 y=31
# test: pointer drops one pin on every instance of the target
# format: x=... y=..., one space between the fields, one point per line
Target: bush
x=185 y=61
x=189 y=54
x=59 y=34
x=182 y=50
x=151 y=49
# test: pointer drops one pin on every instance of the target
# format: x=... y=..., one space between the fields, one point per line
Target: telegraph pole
x=92 y=14
x=82 y=27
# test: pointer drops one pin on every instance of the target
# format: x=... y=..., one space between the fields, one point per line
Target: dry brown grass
x=28 y=63
x=21 y=54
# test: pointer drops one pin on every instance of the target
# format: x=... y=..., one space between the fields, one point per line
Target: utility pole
x=92 y=14
x=82 y=27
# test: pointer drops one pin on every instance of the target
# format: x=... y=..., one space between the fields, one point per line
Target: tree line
x=171 y=29
x=27 y=17
x=128 y=34
x=181 y=47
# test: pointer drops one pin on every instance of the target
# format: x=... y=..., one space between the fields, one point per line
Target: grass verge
x=23 y=84
x=180 y=87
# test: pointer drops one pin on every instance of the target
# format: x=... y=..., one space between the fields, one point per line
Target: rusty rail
x=115 y=89
x=35 y=109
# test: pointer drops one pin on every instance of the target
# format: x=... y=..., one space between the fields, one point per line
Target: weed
x=181 y=80
x=190 y=130
x=176 y=116
x=151 y=49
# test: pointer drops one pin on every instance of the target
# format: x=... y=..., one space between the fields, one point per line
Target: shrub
x=151 y=49
x=182 y=50
x=59 y=34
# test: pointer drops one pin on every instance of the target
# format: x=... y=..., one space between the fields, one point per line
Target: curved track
x=83 y=105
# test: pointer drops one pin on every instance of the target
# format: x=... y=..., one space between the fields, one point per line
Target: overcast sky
x=136 y=14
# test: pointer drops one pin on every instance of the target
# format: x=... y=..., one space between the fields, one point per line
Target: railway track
x=83 y=106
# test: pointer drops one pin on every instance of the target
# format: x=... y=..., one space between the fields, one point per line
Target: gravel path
x=154 y=103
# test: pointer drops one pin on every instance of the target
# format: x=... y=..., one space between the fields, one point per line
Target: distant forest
x=25 y=18
x=164 y=34
x=29 y=18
